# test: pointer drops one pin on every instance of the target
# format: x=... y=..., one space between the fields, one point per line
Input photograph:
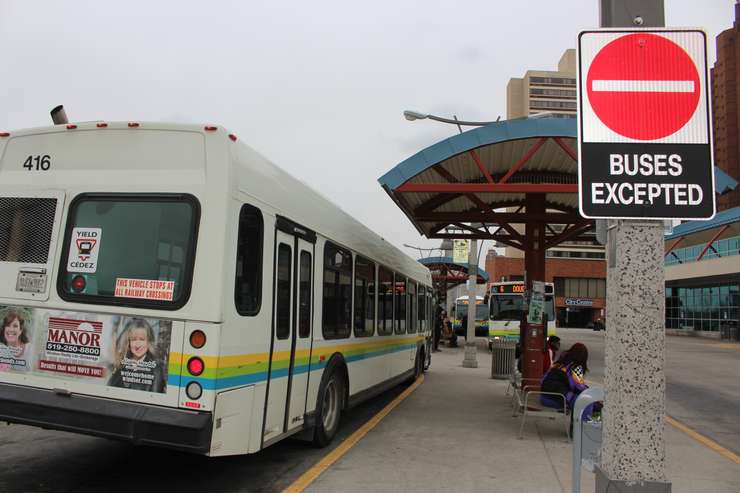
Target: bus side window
x=385 y=301
x=337 y=298
x=248 y=285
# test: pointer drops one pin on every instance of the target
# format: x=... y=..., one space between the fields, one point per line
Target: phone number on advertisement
x=68 y=348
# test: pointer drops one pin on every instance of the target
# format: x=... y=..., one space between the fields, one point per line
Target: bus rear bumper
x=136 y=423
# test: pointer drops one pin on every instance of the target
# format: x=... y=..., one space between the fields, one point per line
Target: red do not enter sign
x=643 y=86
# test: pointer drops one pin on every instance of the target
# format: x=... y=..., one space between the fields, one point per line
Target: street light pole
x=470 y=360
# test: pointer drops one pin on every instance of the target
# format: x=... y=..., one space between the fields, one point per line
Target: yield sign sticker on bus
x=644 y=125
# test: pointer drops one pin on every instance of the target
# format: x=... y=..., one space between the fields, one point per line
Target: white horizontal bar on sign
x=642 y=85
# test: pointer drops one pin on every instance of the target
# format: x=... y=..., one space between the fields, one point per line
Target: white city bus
x=166 y=285
x=481 y=316
x=506 y=304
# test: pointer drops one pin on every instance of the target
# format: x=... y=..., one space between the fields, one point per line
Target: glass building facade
x=702 y=307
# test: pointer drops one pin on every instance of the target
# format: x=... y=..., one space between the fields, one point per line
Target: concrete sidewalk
x=456 y=433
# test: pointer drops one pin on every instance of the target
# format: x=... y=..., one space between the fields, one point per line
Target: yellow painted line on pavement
x=310 y=476
x=707 y=442
x=727 y=345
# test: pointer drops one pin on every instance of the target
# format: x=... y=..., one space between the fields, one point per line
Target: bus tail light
x=194 y=390
x=197 y=339
x=196 y=366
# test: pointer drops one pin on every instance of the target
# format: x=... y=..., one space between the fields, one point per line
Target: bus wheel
x=418 y=366
x=328 y=409
x=419 y=362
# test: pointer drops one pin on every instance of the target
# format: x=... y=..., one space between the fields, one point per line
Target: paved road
x=703 y=392
x=36 y=460
x=702 y=382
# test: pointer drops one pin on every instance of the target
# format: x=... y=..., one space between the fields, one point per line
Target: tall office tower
x=725 y=94
x=544 y=91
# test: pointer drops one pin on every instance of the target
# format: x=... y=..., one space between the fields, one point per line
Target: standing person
x=438 y=322
x=566 y=377
x=553 y=346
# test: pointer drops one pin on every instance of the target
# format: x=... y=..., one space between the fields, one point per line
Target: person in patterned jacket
x=567 y=377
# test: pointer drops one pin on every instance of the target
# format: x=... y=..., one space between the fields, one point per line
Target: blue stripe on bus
x=250 y=378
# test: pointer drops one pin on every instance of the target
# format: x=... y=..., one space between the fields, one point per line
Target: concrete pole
x=470 y=360
x=633 y=451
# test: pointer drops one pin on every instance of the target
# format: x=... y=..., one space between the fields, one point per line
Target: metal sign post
x=644 y=153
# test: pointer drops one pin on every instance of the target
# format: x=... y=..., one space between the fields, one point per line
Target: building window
x=726 y=247
x=364 y=297
x=539 y=104
x=337 y=309
x=556 y=81
x=385 y=301
x=707 y=308
x=580 y=288
x=552 y=93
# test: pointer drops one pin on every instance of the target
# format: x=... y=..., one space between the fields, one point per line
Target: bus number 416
x=37 y=163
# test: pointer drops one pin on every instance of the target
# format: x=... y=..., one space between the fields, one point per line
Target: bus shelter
x=513 y=181
x=446 y=274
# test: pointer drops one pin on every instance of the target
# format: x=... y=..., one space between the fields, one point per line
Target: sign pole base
x=606 y=485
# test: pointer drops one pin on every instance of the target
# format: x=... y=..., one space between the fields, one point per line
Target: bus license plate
x=31 y=282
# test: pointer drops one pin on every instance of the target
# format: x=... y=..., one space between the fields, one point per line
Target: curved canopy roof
x=459 y=183
x=453 y=272
x=725 y=224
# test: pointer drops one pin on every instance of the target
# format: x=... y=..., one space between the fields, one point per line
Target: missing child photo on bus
x=141 y=354
x=15 y=339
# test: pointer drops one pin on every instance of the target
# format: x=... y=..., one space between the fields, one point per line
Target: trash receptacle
x=502 y=358
x=729 y=332
x=724 y=332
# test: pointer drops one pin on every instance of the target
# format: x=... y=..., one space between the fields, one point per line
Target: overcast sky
x=317 y=86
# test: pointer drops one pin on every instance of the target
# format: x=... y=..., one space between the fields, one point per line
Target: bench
x=526 y=400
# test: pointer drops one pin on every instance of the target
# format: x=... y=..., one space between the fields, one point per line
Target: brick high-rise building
x=725 y=78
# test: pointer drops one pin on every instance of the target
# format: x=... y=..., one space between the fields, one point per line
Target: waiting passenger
x=566 y=377
x=553 y=346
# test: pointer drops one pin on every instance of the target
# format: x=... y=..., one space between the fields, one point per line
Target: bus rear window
x=129 y=249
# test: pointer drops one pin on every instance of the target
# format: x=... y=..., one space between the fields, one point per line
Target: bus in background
x=506 y=301
x=481 y=317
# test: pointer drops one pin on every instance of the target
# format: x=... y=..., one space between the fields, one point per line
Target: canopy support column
x=534 y=268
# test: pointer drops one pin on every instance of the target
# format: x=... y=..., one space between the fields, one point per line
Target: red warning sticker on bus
x=147 y=289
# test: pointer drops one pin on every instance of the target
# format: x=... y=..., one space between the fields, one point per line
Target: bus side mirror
x=485 y=299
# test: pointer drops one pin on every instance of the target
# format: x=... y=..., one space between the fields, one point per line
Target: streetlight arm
x=415 y=115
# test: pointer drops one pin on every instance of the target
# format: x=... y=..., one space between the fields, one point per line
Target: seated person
x=566 y=377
